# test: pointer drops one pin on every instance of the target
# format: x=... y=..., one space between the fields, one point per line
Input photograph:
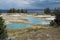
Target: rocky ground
x=45 y=33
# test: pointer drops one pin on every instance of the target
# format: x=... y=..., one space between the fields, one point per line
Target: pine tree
x=47 y=11
x=3 y=32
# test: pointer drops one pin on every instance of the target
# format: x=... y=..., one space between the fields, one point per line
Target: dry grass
x=45 y=32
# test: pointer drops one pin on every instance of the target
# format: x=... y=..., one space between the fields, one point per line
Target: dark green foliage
x=52 y=12
x=23 y=11
x=47 y=11
x=12 y=11
x=17 y=11
x=56 y=11
x=3 y=32
x=56 y=21
x=53 y=23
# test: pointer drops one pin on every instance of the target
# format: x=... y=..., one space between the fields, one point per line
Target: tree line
x=52 y=12
x=46 y=11
x=13 y=10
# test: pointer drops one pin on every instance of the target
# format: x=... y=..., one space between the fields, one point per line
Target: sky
x=29 y=4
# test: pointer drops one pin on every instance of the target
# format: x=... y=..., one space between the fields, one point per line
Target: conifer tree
x=47 y=11
x=3 y=32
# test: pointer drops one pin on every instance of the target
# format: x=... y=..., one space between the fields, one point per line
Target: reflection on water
x=31 y=21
